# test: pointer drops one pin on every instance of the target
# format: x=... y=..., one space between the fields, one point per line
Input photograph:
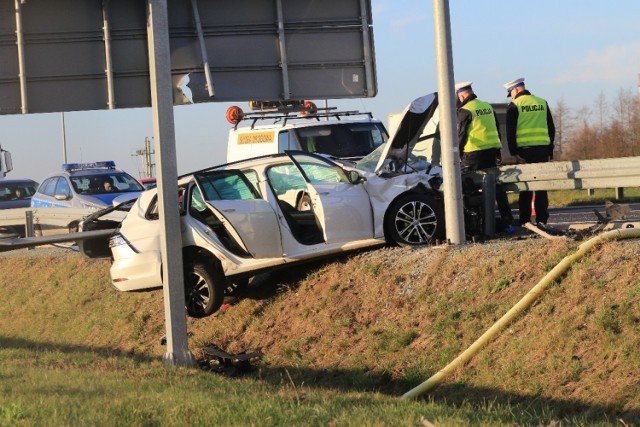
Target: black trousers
x=485 y=159
x=537 y=154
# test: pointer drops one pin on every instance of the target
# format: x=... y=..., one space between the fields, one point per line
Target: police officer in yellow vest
x=479 y=140
x=530 y=135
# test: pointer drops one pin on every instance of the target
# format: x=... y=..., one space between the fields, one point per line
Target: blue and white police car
x=86 y=185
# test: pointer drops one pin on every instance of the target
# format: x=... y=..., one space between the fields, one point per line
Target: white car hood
x=417 y=127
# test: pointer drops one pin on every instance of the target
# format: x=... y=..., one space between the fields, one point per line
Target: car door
x=247 y=218
x=342 y=208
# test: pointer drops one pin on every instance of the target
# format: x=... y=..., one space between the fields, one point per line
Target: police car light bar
x=108 y=164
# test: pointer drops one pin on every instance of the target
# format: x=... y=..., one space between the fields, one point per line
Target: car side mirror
x=355 y=177
x=61 y=197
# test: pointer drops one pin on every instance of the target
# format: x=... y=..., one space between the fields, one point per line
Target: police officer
x=530 y=135
x=479 y=140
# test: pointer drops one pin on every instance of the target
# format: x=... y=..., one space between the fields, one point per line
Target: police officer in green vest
x=530 y=135
x=479 y=141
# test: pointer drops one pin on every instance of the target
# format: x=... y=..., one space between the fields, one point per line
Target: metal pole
x=21 y=66
x=284 y=62
x=106 y=31
x=368 y=69
x=64 y=140
x=165 y=145
x=453 y=205
x=203 y=48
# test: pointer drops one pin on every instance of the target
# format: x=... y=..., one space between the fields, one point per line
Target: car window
x=319 y=170
x=17 y=190
x=252 y=176
x=285 y=177
x=153 y=211
x=63 y=187
x=226 y=185
x=48 y=188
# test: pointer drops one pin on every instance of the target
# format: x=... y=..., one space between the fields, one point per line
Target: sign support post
x=453 y=206
x=165 y=146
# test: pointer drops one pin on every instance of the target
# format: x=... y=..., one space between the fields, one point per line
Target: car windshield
x=113 y=182
x=395 y=163
x=343 y=140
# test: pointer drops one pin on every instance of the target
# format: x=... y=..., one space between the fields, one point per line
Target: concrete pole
x=165 y=146
x=453 y=205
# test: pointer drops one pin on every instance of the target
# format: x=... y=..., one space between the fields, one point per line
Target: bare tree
x=562 y=121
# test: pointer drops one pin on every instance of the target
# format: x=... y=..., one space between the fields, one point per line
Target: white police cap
x=462 y=86
x=509 y=86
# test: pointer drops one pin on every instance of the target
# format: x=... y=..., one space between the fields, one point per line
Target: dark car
x=15 y=193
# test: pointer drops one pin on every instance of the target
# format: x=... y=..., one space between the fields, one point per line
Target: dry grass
x=382 y=321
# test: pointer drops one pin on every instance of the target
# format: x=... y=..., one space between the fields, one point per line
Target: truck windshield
x=342 y=140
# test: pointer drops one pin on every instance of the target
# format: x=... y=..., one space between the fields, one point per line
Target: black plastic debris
x=217 y=360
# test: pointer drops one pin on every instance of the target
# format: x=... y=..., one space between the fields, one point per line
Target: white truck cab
x=277 y=126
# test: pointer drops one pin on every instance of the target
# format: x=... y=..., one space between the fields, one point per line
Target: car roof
x=17 y=181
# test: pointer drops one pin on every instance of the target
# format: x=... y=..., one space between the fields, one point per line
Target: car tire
x=203 y=288
x=415 y=219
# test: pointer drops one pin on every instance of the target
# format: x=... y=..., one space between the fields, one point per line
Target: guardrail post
x=489 y=202
x=28 y=225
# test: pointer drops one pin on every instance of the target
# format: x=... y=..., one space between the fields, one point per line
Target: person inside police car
x=108 y=187
x=479 y=140
x=530 y=136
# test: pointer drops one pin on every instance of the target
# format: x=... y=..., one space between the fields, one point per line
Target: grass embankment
x=341 y=342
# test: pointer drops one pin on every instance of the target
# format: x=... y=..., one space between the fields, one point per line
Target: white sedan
x=255 y=215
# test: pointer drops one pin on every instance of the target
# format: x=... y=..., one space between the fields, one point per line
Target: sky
x=567 y=50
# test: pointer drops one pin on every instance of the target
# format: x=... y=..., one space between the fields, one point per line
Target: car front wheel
x=415 y=219
x=204 y=289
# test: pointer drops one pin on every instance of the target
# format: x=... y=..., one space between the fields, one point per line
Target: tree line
x=604 y=130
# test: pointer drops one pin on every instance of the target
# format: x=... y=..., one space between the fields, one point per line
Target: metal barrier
x=615 y=173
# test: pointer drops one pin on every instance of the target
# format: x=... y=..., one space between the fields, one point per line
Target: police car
x=86 y=185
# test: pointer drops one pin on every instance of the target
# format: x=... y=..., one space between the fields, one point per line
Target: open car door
x=342 y=208
x=247 y=218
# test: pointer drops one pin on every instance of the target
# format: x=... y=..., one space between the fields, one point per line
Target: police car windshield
x=105 y=183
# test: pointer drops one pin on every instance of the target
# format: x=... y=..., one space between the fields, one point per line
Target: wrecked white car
x=254 y=215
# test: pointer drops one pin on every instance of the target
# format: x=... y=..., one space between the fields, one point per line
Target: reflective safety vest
x=482 y=133
x=532 y=126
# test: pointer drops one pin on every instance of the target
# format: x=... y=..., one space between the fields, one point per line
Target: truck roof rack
x=306 y=111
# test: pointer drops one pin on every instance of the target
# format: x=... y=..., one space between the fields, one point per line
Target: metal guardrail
x=564 y=175
x=43 y=219
x=571 y=175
